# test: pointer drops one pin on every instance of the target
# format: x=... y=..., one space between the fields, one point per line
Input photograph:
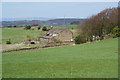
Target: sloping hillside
x=90 y=60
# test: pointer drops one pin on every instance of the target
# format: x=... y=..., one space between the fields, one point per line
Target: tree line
x=100 y=26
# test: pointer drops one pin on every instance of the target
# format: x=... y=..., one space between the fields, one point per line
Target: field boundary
x=33 y=48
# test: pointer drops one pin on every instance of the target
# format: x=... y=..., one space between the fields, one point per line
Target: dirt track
x=10 y=46
x=29 y=48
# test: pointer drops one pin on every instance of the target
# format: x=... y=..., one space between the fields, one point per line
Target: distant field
x=90 y=60
x=68 y=26
x=17 y=35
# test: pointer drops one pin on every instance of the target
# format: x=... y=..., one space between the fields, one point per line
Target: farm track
x=23 y=49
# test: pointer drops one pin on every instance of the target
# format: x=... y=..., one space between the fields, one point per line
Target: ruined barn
x=56 y=33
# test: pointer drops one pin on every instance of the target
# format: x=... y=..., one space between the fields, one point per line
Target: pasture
x=67 y=26
x=17 y=35
x=90 y=60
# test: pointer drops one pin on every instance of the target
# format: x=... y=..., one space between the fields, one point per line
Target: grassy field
x=90 y=60
x=67 y=26
x=17 y=35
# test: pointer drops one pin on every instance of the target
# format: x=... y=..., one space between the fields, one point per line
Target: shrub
x=11 y=26
x=14 y=26
x=8 y=42
x=48 y=29
x=28 y=27
x=39 y=28
x=44 y=29
x=116 y=32
x=80 y=39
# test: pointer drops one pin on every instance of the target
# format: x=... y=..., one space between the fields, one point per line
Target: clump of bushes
x=11 y=26
x=44 y=29
x=39 y=28
x=116 y=32
x=80 y=39
x=14 y=26
x=48 y=29
x=27 y=27
x=8 y=42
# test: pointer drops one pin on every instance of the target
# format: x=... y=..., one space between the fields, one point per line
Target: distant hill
x=63 y=21
x=28 y=18
x=59 y=21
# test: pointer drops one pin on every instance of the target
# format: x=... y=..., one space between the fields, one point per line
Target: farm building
x=56 y=33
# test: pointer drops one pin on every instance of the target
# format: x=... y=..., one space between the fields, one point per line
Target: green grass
x=68 y=26
x=17 y=35
x=90 y=60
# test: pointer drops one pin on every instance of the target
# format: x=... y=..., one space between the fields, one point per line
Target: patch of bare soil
x=23 y=46
x=15 y=46
x=11 y=46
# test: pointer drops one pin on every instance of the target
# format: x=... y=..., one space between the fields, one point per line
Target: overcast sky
x=53 y=9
